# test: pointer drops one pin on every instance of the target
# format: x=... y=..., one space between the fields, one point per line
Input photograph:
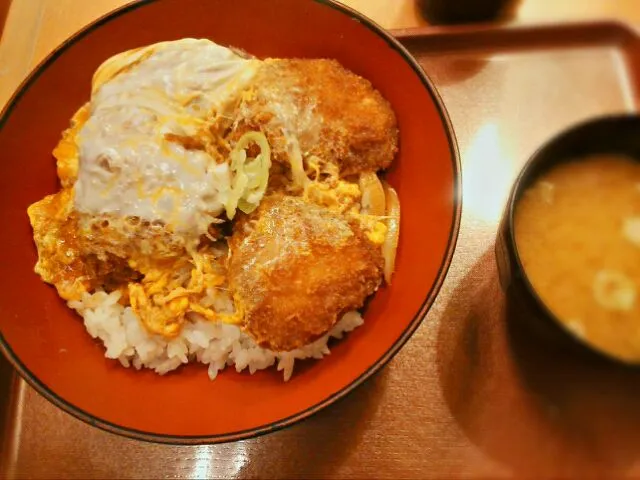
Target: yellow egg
x=378 y=233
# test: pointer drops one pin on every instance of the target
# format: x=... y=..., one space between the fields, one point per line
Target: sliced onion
x=250 y=175
x=300 y=178
x=390 y=245
x=373 y=197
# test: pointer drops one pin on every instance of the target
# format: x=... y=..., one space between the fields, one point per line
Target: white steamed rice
x=215 y=344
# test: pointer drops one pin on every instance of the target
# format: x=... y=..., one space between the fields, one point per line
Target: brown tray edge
x=442 y=39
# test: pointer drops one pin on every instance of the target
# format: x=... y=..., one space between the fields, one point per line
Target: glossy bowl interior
x=47 y=342
x=618 y=134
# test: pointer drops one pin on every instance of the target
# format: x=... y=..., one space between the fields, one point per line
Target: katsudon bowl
x=47 y=342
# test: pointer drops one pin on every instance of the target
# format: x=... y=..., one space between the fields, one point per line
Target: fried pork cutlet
x=295 y=268
x=334 y=114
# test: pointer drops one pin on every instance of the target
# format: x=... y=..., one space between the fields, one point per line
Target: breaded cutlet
x=335 y=115
x=295 y=268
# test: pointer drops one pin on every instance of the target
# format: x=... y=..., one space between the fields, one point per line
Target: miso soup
x=577 y=231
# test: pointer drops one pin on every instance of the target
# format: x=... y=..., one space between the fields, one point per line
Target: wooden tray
x=470 y=395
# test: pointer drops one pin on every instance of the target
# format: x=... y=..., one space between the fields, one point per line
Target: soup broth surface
x=577 y=230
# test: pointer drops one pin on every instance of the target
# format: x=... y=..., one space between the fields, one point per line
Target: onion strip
x=390 y=245
x=249 y=175
x=300 y=178
x=373 y=197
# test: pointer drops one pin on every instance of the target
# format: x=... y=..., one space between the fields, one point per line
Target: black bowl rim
x=523 y=181
x=152 y=437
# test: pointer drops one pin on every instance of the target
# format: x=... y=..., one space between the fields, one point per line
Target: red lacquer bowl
x=46 y=341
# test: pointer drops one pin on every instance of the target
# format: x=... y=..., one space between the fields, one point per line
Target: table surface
x=372 y=433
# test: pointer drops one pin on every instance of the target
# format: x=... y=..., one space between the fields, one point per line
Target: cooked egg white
x=142 y=150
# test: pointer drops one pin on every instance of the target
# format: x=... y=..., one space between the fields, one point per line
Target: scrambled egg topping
x=55 y=234
x=161 y=291
x=169 y=287
x=168 y=292
x=329 y=190
x=85 y=249
x=66 y=152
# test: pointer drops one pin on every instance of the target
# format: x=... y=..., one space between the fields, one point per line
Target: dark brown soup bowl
x=619 y=134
